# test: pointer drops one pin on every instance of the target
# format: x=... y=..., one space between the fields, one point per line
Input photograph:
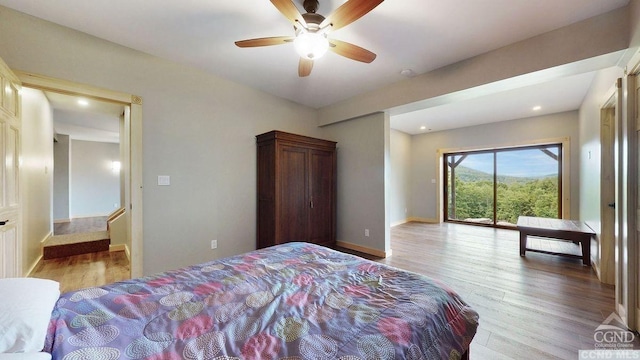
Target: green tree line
x=474 y=199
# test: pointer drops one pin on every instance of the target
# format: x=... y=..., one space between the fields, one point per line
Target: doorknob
x=4 y=222
x=611 y=205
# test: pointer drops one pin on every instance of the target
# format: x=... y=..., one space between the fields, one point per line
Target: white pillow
x=25 y=311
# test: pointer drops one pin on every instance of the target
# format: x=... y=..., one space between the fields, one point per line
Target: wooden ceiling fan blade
x=290 y=11
x=268 y=41
x=349 y=12
x=304 y=67
x=351 y=51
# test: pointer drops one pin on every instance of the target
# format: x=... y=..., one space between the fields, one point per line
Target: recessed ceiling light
x=537 y=108
x=407 y=73
x=423 y=127
x=83 y=102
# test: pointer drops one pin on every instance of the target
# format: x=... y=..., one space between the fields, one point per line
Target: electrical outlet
x=214 y=244
x=366 y=232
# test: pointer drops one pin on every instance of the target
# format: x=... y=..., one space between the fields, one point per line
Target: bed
x=291 y=301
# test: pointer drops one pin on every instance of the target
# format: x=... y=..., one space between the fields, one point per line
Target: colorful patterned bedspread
x=292 y=301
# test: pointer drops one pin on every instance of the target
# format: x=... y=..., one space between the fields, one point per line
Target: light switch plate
x=164 y=180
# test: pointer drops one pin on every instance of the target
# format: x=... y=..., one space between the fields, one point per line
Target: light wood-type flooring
x=86 y=270
x=537 y=307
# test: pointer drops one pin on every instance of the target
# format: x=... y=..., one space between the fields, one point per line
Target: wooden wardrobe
x=296 y=189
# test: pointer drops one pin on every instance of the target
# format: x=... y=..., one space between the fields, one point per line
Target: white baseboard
x=364 y=249
x=34 y=266
x=424 y=220
x=117 y=247
x=61 y=221
x=596 y=268
x=396 y=223
x=45 y=240
x=121 y=247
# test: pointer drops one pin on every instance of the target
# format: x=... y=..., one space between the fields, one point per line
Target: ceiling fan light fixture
x=311 y=45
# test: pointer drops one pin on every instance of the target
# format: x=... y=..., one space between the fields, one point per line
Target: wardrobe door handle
x=4 y=222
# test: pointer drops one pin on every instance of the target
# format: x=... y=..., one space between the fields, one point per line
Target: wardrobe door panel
x=292 y=206
x=321 y=214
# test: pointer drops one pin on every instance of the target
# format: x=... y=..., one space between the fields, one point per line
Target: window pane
x=470 y=187
x=527 y=184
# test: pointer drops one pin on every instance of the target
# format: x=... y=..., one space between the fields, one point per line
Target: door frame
x=134 y=187
x=11 y=250
x=610 y=113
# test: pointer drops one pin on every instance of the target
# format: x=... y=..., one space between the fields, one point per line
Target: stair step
x=75 y=244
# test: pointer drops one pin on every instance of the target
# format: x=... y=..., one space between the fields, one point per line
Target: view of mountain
x=471 y=175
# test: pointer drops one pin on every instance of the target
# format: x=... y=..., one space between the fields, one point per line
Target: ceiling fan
x=311 y=29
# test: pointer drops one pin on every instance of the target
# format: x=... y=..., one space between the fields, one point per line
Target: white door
x=626 y=199
x=10 y=219
x=608 y=116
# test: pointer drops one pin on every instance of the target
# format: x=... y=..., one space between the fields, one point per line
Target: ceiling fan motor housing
x=312 y=18
x=311 y=6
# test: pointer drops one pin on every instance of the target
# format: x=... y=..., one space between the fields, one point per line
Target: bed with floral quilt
x=291 y=301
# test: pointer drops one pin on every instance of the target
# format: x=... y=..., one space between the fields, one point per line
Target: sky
x=518 y=163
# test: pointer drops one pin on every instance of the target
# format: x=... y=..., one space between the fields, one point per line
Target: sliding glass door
x=470 y=187
x=494 y=187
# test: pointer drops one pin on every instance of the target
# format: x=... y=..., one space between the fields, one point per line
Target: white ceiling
x=558 y=95
x=420 y=35
x=95 y=121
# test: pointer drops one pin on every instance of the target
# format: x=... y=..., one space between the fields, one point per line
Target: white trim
x=424 y=220
x=117 y=247
x=364 y=249
x=35 y=264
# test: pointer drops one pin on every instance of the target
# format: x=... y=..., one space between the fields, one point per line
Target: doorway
x=131 y=160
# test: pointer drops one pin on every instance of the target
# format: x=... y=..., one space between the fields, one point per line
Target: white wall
x=400 y=177
x=590 y=159
x=198 y=128
x=61 y=158
x=361 y=180
x=589 y=124
x=36 y=174
x=424 y=158
x=93 y=187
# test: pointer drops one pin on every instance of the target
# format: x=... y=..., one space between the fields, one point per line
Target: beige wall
x=400 y=177
x=197 y=128
x=361 y=180
x=424 y=157
x=36 y=174
x=61 y=174
x=634 y=26
x=94 y=187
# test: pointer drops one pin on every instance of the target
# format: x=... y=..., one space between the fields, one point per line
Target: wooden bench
x=572 y=230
